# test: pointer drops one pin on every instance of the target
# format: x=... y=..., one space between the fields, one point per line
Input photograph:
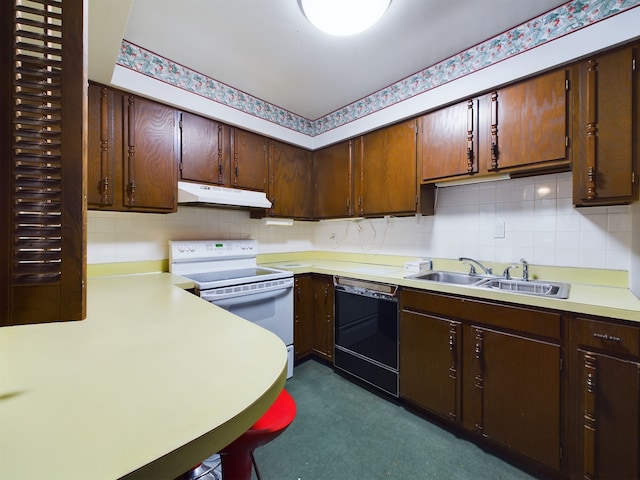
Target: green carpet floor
x=344 y=432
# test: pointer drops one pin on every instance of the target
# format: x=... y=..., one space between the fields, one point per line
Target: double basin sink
x=528 y=287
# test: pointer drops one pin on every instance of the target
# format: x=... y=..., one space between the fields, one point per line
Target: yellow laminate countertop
x=151 y=383
x=608 y=301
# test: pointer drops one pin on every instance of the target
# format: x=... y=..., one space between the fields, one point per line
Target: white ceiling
x=268 y=49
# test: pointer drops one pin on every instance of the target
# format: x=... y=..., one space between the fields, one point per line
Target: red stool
x=237 y=457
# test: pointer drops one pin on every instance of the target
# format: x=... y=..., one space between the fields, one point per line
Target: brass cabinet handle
x=105 y=190
x=605 y=336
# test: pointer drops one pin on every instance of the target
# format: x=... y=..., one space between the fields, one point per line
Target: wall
x=634 y=277
x=539 y=221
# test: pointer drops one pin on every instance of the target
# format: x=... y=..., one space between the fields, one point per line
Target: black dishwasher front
x=366 y=332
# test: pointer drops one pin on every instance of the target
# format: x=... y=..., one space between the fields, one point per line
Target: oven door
x=269 y=305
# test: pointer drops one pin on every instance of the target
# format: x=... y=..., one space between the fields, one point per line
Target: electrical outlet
x=498 y=229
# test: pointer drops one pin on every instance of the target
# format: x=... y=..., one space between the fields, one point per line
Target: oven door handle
x=217 y=294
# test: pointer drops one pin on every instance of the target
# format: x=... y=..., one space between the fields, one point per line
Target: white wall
x=539 y=221
x=634 y=277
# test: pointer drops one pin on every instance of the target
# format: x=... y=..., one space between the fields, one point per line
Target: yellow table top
x=152 y=382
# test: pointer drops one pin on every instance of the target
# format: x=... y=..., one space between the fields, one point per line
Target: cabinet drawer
x=522 y=319
x=606 y=336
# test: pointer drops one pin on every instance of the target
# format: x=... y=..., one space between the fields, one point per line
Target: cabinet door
x=101 y=148
x=323 y=317
x=291 y=184
x=514 y=393
x=529 y=123
x=150 y=168
x=303 y=315
x=430 y=362
x=42 y=168
x=386 y=165
x=204 y=150
x=609 y=411
x=447 y=141
x=333 y=176
x=249 y=160
x=603 y=159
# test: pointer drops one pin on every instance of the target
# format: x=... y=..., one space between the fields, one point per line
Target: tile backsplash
x=500 y=221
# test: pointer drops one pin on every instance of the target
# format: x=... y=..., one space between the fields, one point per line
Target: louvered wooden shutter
x=43 y=212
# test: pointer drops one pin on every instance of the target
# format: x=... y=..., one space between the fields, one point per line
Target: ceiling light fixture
x=343 y=17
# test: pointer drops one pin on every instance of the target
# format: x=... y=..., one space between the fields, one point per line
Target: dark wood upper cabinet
x=526 y=125
x=204 y=150
x=132 y=153
x=249 y=165
x=150 y=173
x=333 y=178
x=217 y=154
x=448 y=141
x=290 y=181
x=386 y=171
x=606 y=129
x=102 y=146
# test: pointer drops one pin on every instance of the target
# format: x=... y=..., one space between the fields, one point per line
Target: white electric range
x=225 y=273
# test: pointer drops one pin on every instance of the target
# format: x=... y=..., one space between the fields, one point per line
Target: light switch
x=498 y=229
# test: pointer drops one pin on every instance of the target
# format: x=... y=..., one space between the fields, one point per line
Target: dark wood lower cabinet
x=323 y=299
x=558 y=392
x=430 y=375
x=313 y=316
x=494 y=370
x=303 y=315
x=607 y=398
x=513 y=388
x=609 y=411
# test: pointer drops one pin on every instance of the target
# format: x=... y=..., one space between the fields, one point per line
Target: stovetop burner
x=223 y=278
x=215 y=263
x=229 y=275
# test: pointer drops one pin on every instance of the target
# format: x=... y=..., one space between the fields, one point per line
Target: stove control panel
x=199 y=250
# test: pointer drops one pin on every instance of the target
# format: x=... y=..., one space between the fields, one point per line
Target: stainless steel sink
x=527 y=287
x=532 y=287
x=449 y=277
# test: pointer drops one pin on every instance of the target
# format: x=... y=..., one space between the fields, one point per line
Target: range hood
x=201 y=194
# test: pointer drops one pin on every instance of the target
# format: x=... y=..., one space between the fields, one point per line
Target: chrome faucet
x=472 y=268
x=525 y=270
x=507 y=273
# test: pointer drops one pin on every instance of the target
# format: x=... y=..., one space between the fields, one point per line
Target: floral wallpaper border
x=552 y=25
